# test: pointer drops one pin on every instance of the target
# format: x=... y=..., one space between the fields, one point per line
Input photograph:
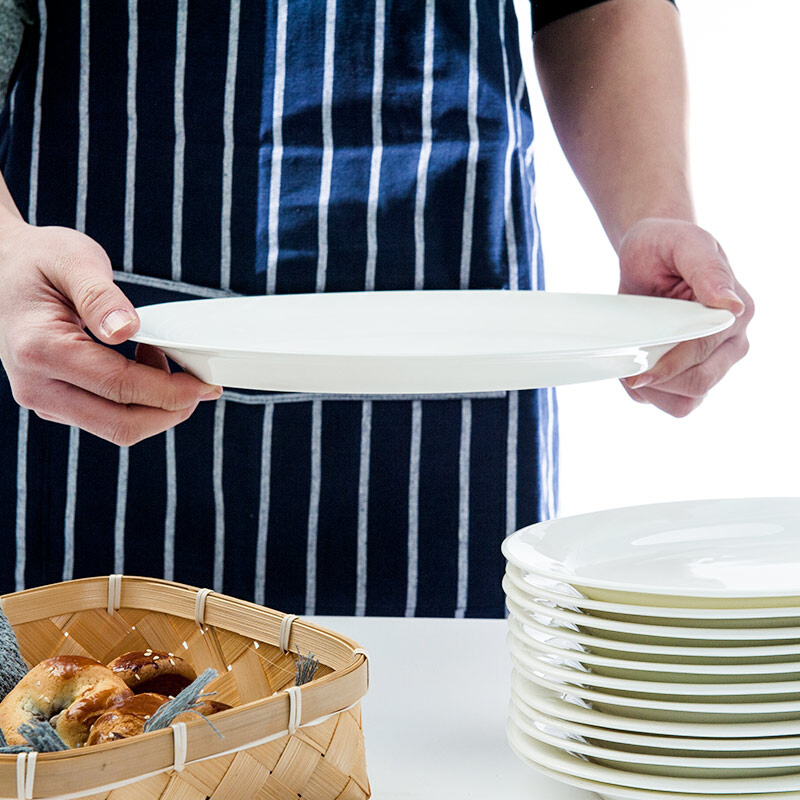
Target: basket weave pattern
x=323 y=761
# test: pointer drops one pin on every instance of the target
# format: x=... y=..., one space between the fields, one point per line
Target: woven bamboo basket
x=280 y=741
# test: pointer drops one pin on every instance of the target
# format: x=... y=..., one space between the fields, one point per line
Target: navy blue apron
x=251 y=147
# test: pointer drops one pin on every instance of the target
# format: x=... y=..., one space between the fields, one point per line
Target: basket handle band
x=26 y=770
x=295 y=709
x=200 y=606
x=114 y=592
x=179 y=740
x=363 y=652
x=286 y=632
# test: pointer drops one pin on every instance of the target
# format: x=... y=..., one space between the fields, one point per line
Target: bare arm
x=614 y=80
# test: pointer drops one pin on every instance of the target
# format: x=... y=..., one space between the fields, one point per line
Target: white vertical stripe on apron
x=363 y=508
x=263 y=505
x=425 y=150
x=219 y=496
x=83 y=121
x=511 y=462
x=229 y=105
x=511 y=238
x=313 y=506
x=327 y=145
x=130 y=168
x=180 y=140
x=119 y=514
x=472 y=155
x=377 y=145
x=33 y=189
x=69 y=508
x=463 y=507
x=171 y=504
x=24 y=414
x=277 y=146
x=22 y=498
x=413 y=508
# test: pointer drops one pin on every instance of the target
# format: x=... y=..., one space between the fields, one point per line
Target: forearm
x=613 y=77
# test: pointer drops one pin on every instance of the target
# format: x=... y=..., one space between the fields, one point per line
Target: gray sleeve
x=14 y=15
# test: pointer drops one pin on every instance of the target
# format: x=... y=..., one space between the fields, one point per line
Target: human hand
x=673 y=258
x=54 y=283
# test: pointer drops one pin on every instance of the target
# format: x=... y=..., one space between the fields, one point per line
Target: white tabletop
x=434 y=718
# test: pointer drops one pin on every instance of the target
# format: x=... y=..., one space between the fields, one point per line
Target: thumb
x=88 y=281
x=710 y=277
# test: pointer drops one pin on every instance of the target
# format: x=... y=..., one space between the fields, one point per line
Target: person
x=157 y=152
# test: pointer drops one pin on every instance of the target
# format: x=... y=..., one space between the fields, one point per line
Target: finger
x=677 y=360
x=633 y=393
x=86 y=278
x=673 y=404
x=152 y=357
x=108 y=374
x=699 y=379
x=704 y=267
x=122 y=425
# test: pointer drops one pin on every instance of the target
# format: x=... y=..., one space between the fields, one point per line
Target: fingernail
x=115 y=321
x=640 y=381
x=731 y=295
x=212 y=395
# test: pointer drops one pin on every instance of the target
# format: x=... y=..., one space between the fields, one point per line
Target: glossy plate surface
x=421 y=342
x=741 y=548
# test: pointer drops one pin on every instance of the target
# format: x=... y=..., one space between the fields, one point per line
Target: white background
x=744 y=82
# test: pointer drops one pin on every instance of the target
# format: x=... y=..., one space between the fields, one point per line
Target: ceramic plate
x=555 y=702
x=611 y=792
x=421 y=342
x=654 y=744
x=562 y=652
x=665 y=710
x=734 y=692
x=638 y=632
x=564 y=762
x=710 y=765
x=566 y=596
x=636 y=652
x=743 y=549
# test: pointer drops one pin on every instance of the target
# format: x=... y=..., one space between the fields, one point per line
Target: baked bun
x=153 y=671
x=126 y=718
x=69 y=692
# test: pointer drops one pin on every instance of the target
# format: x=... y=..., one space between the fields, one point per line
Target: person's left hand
x=673 y=258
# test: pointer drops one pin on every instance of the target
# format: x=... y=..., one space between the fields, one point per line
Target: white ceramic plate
x=609 y=791
x=584 y=677
x=556 y=703
x=707 y=766
x=421 y=342
x=566 y=596
x=654 y=744
x=639 y=632
x=665 y=710
x=657 y=653
x=561 y=652
x=564 y=762
x=745 y=549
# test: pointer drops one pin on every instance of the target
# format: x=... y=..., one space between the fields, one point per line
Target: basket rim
x=323 y=697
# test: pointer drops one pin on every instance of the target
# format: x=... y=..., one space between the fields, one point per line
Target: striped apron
x=260 y=146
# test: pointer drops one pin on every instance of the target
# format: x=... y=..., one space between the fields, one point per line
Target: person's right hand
x=54 y=283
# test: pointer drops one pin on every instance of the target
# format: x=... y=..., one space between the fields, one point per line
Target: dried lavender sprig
x=14 y=666
x=15 y=748
x=42 y=736
x=185 y=700
x=306 y=668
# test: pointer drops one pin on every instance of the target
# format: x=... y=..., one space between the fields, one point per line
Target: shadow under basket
x=279 y=742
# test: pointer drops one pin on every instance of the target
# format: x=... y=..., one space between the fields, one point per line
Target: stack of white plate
x=656 y=649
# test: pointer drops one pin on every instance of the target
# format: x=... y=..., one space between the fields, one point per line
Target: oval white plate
x=583 y=677
x=655 y=744
x=702 y=767
x=556 y=703
x=421 y=342
x=561 y=762
x=649 y=670
x=638 y=632
x=743 y=548
x=666 y=710
x=566 y=596
x=636 y=652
